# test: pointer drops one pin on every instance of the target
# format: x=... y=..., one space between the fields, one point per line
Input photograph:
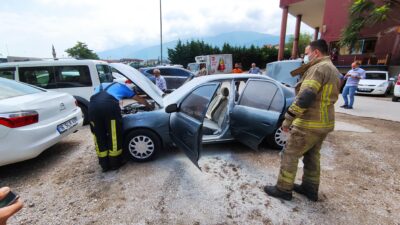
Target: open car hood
x=280 y=71
x=141 y=81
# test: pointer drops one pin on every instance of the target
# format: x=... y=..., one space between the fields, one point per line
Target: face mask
x=306 y=59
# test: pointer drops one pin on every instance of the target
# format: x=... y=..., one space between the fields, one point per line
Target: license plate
x=61 y=128
x=364 y=89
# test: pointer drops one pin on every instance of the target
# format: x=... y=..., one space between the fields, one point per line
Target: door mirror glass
x=171 y=108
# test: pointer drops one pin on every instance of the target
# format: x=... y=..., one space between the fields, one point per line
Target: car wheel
x=142 y=145
x=85 y=113
x=395 y=99
x=278 y=139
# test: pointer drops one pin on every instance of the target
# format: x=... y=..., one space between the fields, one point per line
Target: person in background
x=202 y=71
x=160 y=81
x=352 y=79
x=237 y=69
x=254 y=69
x=8 y=211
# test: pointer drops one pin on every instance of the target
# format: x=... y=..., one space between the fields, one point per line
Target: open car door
x=257 y=113
x=186 y=120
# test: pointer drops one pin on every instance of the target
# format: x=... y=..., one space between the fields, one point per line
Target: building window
x=362 y=46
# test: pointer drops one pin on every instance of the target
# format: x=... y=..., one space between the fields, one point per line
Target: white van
x=76 y=77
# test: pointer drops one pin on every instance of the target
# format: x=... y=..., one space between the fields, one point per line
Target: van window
x=73 y=76
x=104 y=72
x=8 y=73
x=39 y=76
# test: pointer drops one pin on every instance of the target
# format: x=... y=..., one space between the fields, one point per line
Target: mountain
x=237 y=38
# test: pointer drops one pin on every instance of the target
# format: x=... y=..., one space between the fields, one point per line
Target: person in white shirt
x=160 y=81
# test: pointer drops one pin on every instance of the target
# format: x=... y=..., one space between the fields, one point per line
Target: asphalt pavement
x=370 y=106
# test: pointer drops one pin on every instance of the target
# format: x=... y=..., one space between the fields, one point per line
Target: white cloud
x=31 y=29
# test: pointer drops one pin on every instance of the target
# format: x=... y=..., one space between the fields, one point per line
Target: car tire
x=142 y=145
x=277 y=140
x=395 y=99
x=85 y=113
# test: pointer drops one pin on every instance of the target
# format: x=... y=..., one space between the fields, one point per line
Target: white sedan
x=33 y=119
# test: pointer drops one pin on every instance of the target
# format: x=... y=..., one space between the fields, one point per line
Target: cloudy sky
x=30 y=27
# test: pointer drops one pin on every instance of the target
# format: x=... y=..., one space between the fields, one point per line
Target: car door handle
x=189 y=133
x=266 y=123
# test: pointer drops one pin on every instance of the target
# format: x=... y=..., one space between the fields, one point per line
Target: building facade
x=378 y=47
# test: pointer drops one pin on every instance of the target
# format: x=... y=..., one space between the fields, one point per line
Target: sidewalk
x=366 y=106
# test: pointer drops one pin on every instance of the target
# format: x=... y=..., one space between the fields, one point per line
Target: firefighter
x=311 y=117
x=106 y=122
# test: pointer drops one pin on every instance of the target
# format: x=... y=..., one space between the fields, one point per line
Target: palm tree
x=365 y=13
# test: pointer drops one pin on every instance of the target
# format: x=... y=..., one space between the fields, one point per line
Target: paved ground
x=374 y=107
x=360 y=185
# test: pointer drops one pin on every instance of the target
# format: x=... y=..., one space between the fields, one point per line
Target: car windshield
x=375 y=76
x=10 y=89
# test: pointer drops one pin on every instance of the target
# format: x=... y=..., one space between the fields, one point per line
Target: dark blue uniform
x=106 y=123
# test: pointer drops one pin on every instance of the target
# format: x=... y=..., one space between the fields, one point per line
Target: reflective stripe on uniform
x=286 y=176
x=311 y=83
x=99 y=154
x=324 y=114
x=114 y=150
x=296 y=109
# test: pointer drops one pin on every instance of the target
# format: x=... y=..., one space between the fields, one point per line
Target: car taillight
x=128 y=82
x=19 y=119
x=398 y=80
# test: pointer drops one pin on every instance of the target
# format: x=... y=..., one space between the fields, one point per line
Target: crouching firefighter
x=106 y=122
x=312 y=117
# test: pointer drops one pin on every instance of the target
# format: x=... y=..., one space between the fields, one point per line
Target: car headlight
x=383 y=84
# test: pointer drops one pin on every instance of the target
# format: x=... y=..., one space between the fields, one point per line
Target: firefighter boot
x=310 y=191
x=275 y=192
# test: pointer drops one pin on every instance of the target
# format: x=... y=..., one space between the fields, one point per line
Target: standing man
x=353 y=78
x=160 y=81
x=254 y=69
x=311 y=117
x=106 y=122
x=237 y=69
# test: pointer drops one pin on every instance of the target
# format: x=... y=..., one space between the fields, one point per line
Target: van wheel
x=85 y=113
x=395 y=99
x=142 y=145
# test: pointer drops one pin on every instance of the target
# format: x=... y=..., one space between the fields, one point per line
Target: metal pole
x=161 y=47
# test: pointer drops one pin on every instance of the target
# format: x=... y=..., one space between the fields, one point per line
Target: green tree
x=184 y=53
x=366 y=13
x=81 y=51
x=304 y=40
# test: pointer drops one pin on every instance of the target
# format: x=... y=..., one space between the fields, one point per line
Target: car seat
x=218 y=112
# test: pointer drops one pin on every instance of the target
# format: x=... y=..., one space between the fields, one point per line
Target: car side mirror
x=391 y=79
x=172 y=108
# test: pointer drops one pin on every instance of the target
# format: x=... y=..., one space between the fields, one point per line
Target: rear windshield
x=10 y=89
x=375 y=76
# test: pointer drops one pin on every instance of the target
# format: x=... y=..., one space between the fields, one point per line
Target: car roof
x=164 y=67
x=53 y=62
x=175 y=95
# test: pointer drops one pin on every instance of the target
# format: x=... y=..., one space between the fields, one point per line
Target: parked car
x=207 y=109
x=76 y=77
x=396 y=92
x=375 y=83
x=174 y=76
x=32 y=119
